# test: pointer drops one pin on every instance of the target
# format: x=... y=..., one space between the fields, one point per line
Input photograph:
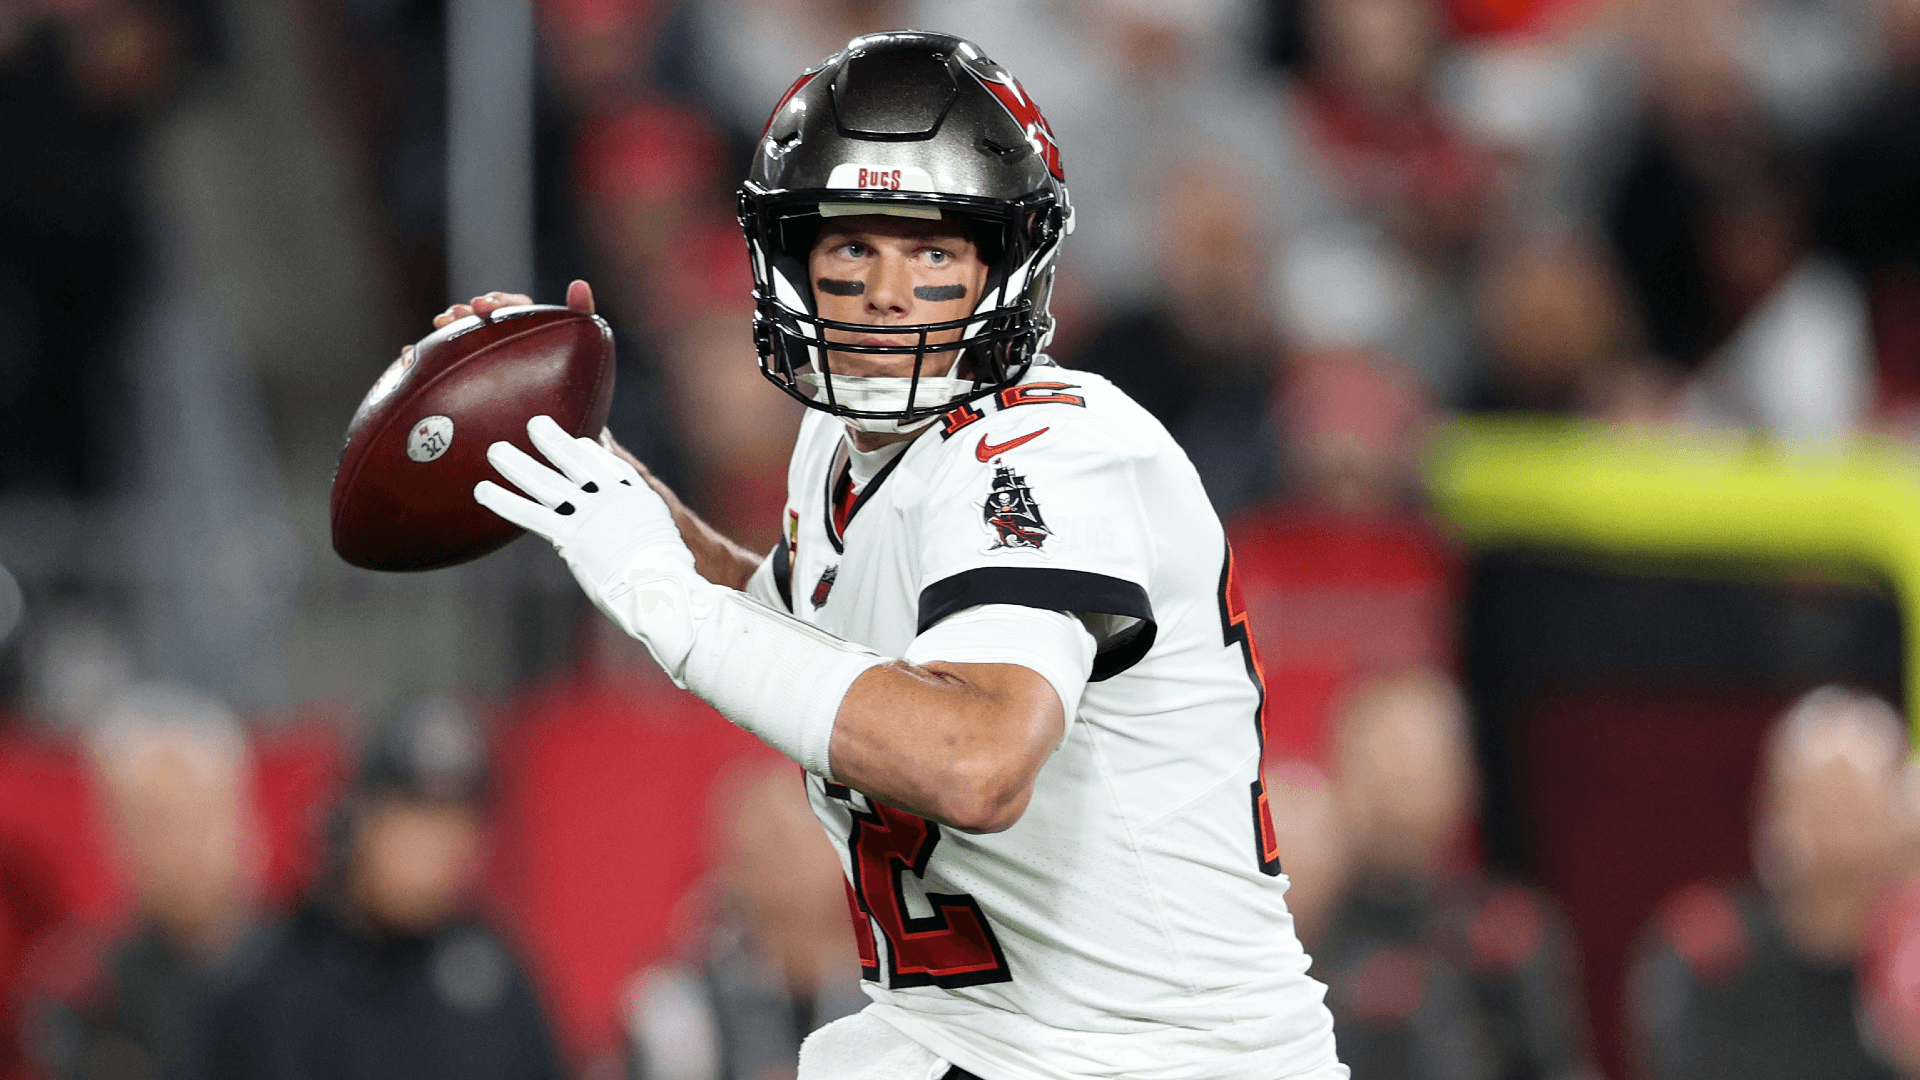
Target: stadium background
x=1567 y=348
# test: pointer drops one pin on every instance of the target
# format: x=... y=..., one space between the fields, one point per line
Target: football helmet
x=912 y=124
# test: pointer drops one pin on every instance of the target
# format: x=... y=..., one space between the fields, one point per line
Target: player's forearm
x=716 y=557
x=960 y=744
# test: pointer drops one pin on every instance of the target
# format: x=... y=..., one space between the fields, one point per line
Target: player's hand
x=616 y=535
x=579 y=298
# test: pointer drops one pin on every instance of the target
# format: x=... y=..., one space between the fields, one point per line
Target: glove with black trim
x=615 y=533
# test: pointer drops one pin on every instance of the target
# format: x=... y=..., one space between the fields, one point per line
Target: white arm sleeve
x=1053 y=644
x=772 y=674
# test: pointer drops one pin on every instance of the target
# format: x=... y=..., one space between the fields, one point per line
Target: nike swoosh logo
x=987 y=451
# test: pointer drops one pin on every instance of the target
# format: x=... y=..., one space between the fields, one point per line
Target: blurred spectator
x=174 y=768
x=1558 y=335
x=770 y=959
x=1352 y=425
x=1393 y=153
x=383 y=974
x=1868 y=213
x=1206 y=357
x=1415 y=185
x=1312 y=841
x=1757 y=980
x=1433 y=971
x=78 y=84
x=1711 y=219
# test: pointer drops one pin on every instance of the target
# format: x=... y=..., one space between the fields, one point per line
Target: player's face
x=891 y=271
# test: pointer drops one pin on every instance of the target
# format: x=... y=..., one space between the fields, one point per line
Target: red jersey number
x=953 y=946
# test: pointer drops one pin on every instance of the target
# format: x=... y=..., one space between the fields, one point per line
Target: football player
x=1001 y=632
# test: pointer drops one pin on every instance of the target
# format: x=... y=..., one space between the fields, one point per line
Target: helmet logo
x=880 y=178
x=1027 y=114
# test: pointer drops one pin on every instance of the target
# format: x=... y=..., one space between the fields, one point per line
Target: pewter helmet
x=914 y=124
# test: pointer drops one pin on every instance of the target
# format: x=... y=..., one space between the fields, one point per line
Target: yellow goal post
x=1687 y=494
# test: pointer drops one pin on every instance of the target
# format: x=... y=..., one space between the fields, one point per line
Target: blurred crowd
x=532 y=895
x=1306 y=231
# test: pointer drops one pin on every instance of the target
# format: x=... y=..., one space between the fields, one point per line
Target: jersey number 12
x=950 y=947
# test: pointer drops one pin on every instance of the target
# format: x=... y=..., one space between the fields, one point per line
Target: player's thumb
x=580 y=297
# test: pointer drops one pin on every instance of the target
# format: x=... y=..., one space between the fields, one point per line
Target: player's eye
x=853 y=249
x=937 y=257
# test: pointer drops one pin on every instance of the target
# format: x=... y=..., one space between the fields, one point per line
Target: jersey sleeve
x=770 y=582
x=1055 y=522
x=1052 y=644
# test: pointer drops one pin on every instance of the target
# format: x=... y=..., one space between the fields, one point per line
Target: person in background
x=1436 y=972
x=384 y=973
x=1711 y=221
x=771 y=958
x=1757 y=980
x=1556 y=334
x=1865 y=212
x=174 y=769
x=1204 y=356
x=83 y=87
x=1350 y=428
x=1312 y=842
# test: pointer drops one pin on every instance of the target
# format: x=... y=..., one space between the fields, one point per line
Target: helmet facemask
x=1009 y=324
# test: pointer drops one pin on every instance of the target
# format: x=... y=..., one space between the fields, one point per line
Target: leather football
x=417 y=445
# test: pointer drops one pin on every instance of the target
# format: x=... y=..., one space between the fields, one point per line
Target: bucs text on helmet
x=913 y=124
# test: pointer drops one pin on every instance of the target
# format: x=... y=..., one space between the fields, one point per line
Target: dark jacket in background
x=1717 y=994
x=325 y=1001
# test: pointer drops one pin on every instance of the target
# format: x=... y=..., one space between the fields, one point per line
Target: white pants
x=861 y=1047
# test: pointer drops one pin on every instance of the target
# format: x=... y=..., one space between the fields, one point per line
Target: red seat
x=601 y=829
x=1334 y=597
x=59 y=876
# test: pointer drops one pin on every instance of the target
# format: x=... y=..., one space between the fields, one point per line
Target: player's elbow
x=986 y=794
x=988 y=805
x=1013 y=729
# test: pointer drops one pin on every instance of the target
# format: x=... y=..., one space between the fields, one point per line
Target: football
x=417 y=445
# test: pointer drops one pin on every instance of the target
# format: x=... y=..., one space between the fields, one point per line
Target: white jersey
x=1131 y=923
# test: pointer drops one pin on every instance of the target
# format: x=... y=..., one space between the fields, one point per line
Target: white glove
x=767 y=672
x=615 y=533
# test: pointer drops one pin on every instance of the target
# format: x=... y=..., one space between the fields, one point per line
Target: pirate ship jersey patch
x=825 y=586
x=1012 y=514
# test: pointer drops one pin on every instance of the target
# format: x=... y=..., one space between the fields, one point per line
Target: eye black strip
x=939 y=292
x=835 y=287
